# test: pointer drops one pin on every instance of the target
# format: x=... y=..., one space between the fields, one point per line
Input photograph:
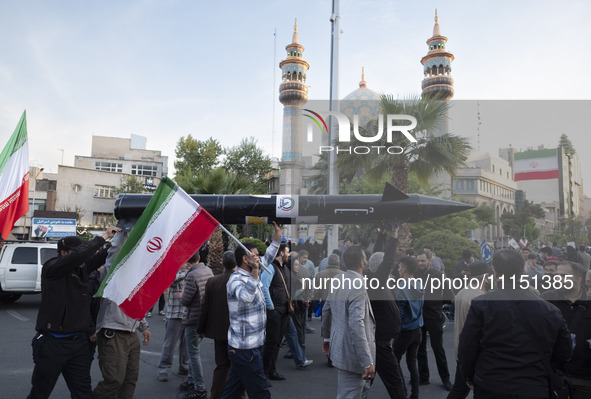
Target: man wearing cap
x=64 y=324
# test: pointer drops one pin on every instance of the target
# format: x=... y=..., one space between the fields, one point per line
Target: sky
x=165 y=69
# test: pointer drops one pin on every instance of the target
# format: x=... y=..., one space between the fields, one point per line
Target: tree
x=247 y=159
x=216 y=181
x=131 y=186
x=448 y=246
x=194 y=156
x=431 y=154
x=566 y=144
x=522 y=223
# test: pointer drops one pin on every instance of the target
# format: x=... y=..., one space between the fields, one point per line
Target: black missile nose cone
x=432 y=207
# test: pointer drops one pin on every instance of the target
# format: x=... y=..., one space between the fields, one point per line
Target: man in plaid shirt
x=174 y=327
x=248 y=319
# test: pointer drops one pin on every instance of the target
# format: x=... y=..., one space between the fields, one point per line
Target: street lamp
x=34 y=195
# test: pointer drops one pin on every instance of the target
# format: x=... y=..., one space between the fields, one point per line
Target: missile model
x=392 y=206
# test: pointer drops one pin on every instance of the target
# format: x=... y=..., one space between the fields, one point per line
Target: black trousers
x=69 y=356
x=435 y=329
x=222 y=369
x=459 y=390
x=276 y=327
x=389 y=371
x=408 y=342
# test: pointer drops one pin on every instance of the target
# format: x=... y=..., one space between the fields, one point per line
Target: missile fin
x=391 y=193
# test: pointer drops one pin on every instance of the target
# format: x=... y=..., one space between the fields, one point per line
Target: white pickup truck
x=20 y=268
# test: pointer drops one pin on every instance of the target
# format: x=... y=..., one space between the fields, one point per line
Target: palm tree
x=431 y=154
x=216 y=181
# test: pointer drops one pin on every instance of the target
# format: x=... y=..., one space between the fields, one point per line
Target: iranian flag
x=14 y=178
x=172 y=228
x=536 y=165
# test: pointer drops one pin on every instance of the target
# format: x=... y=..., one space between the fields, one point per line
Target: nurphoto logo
x=315 y=119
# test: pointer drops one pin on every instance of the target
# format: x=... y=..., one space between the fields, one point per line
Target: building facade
x=487 y=180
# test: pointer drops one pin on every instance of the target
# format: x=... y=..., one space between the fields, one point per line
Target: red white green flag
x=14 y=178
x=536 y=165
x=170 y=230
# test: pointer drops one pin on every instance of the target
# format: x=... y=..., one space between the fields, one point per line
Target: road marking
x=151 y=353
x=17 y=315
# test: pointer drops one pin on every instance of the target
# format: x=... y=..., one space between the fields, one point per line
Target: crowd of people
x=511 y=340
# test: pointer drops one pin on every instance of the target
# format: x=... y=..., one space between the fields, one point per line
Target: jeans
x=246 y=372
x=195 y=375
x=291 y=336
x=174 y=333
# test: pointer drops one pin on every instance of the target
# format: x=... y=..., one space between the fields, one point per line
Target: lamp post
x=33 y=205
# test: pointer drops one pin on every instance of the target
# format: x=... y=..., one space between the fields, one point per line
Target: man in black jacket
x=434 y=295
x=387 y=316
x=506 y=332
x=573 y=301
x=64 y=323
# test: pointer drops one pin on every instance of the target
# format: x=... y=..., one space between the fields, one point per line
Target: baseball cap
x=67 y=243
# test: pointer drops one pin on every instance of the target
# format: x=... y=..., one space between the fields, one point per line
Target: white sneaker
x=305 y=364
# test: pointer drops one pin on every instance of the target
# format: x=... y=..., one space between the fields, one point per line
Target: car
x=20 y=268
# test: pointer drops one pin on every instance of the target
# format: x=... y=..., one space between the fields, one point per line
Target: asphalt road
x=17 y=328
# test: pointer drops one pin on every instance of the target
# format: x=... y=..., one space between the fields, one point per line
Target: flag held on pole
x=14 y=178
x=170 y=230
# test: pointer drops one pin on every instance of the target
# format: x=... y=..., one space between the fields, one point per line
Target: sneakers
x=161 y=313
x=310 y=330
x=162 y=377
x=186 y=386
x=193 y=394
x=306 y=364
x=149 y=314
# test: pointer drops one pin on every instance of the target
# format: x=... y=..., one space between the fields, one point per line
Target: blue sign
x=486 y=251
x=49 y=227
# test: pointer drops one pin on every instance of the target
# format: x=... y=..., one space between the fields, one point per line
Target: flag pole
x=242 y=245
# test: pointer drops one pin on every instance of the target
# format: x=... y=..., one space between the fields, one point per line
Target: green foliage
x=432 y=153
x=86 y=236
x=448 y=246
x=522 y=224
x=194 y=156
x=261 y=247
x=131 y=186
x=247 y=159
x=217 y=181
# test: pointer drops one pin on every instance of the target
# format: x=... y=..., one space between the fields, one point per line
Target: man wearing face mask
x=64 y=323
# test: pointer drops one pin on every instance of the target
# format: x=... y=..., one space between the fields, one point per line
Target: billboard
x=53 y=228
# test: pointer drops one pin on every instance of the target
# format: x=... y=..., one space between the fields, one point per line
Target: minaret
x=438 y=83
x=293 y=94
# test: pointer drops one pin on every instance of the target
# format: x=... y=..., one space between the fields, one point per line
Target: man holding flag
x=14 y=178
x=64 y=324
x=170 y=230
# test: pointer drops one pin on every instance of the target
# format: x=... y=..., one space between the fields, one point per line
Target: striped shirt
x=248 y=316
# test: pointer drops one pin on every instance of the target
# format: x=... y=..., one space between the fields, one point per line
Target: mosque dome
x=362 y=101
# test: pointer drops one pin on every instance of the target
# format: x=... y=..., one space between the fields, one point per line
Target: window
x=101 y=219
x=109 y=166
x=46 y=254
x=144 y=170
x=24 y=256
x=103 y=191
